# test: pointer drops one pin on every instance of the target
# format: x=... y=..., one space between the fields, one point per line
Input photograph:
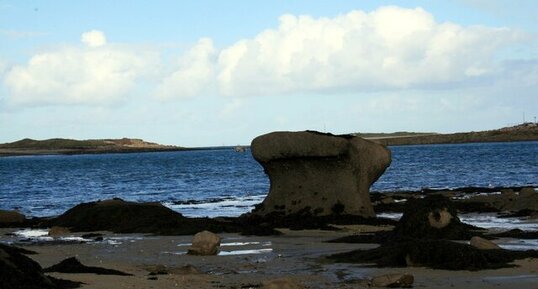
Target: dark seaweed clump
x=414 y=242
x=414 y=222
x=302 y=220
x=436 y=254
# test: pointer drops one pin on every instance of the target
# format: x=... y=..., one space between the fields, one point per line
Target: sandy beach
x=247 y=261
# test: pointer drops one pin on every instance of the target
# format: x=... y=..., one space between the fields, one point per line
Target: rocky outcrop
x=433 y=217
x=204 y=244
x=73 y=265
x=423 y=237
x=19 y=271
x=120 y=216
x=508 y=200
x=322 y=173
x=11 y=218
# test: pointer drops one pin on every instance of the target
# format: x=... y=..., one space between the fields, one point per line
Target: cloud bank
x=92 y=74
x=388 y=48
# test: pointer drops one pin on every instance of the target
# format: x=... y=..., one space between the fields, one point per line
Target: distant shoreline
x=523 y=132
x=29 y=147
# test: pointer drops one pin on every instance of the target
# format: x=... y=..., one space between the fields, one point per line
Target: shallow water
x=223 y=182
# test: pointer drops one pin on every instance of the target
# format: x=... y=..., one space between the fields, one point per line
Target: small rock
x=393 y=281
x=508 y=193
x=157 y=270
x=205 y=243
x=387 y=200
x=283 y=283
x=58 y=231
x=11 y=217
x=483 y=244
x=527 y=192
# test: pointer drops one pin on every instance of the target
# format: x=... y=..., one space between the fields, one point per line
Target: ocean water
x=226 y=183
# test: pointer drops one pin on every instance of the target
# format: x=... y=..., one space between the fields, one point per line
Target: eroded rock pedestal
x=322 y=173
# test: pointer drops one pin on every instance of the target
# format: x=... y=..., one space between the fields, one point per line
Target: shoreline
x=298 y=255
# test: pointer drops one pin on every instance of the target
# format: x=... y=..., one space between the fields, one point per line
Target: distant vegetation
x=523 y=132
x=71 y=146
x=393 y=134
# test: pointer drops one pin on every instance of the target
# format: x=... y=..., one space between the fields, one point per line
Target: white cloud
x=78 y=75
x=194 y=73
x=93 y=38
x=388 y=48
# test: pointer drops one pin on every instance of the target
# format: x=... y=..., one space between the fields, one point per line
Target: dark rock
x=328 y=174
x=433 y=217
x=516 y=233
x=120 y=216
x=369 y=238
x=19 y=271
x=254 y=224
x=72 y=265
x=11 y=218
x=525 y=199
x=94 y=236
x=437 y=254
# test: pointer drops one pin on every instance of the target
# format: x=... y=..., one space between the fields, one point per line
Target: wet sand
x=244 y=262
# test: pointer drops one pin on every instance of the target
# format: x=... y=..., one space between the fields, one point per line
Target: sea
x=222 y=182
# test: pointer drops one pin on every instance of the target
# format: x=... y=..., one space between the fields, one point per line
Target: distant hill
x=71 y=146
x=523 y=132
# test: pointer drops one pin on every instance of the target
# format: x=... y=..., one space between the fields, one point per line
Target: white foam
x=245 y=252
x=225 y=208
x=32 y=233
x=520 y=244
x=492 y=221
x=74 y=239
x=392 y=216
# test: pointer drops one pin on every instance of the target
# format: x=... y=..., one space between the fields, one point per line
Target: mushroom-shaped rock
x=323 y=173
x=205 y=243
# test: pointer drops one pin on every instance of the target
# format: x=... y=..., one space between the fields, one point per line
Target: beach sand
x=246 y=261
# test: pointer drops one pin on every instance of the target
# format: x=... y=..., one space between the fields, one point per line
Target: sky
x=212 y=73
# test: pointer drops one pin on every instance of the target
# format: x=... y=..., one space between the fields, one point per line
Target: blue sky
x=204 y=73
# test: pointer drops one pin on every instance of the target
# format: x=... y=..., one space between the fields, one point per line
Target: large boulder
x=323 y=173
x=121 y=216
x=205 y=244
